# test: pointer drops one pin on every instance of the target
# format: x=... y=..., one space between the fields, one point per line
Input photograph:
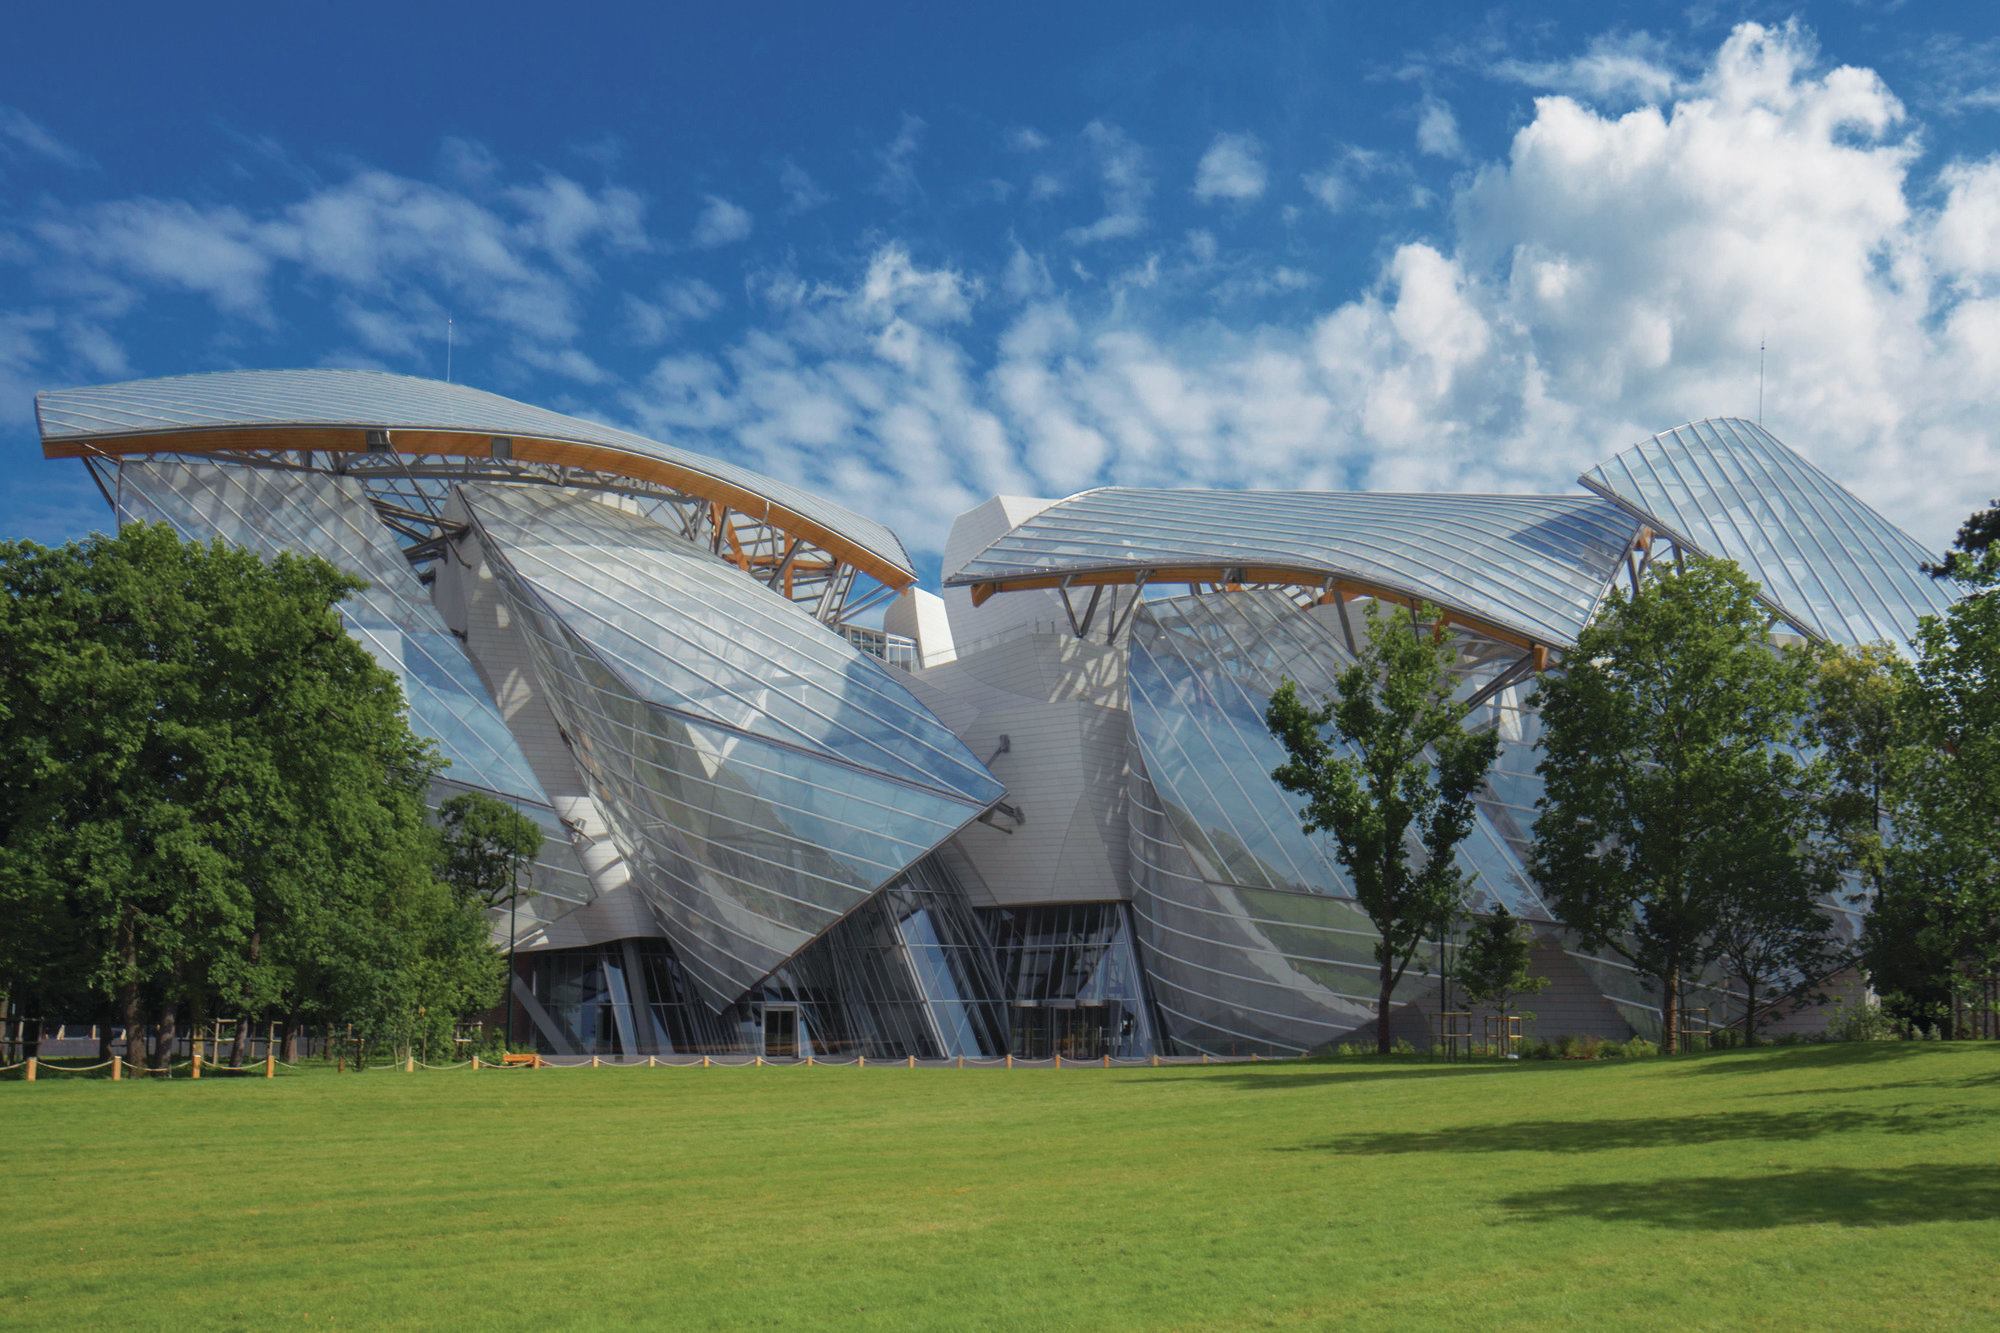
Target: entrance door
x=781 y=1032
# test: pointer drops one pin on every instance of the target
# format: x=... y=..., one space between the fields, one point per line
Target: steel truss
x=410 y=493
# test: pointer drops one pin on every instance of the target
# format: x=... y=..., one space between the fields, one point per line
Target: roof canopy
x=1827 y=562
x=1526 y=567
x=359 y=411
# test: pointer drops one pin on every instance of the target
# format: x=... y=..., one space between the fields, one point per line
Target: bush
x=1865 y=1021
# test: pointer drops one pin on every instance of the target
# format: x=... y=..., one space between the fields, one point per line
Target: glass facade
x=1827 y=562
x=1070 y=975
x=1251 y=936
x=763 y=777
x=908 y=974
x=780 y=799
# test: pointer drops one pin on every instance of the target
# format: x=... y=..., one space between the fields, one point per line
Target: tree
x=1495 y=964
x=1393 y=783
x=1975 y=535
x=1675 y=790
x=484 y=844
x=1938 y=915
x=211 y=801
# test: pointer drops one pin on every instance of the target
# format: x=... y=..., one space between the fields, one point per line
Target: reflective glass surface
x=1250 y=934
x=269 y=510
x=1533 y=563
x=747 y=846
x=1828 y=562
x=1070 y=974
x=689 y=632
x=373 y=400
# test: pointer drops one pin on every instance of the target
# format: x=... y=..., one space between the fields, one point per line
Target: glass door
x=781 y=1032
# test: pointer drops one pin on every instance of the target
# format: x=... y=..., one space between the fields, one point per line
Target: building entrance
x=781 y=1032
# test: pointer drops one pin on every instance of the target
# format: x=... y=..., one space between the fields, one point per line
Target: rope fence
x=33 y=1068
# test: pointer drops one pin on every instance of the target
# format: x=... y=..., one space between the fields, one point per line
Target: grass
x=1833 y=1186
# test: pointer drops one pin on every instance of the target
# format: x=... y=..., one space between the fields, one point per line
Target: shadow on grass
x=1844 y=1196
x=1841 y=1054
x=1290 y=1076
x=1582 y=1136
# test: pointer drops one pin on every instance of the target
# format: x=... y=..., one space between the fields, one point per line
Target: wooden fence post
x=593 y=1062
x=31 y=1069
x=913 y=1062
x=270 y=1062
x=196 y=1067
x=409 y=1063
x=475 y=1063
x=1010 y=1059
x=117 y=1069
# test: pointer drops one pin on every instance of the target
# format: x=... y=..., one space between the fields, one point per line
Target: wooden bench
x=528 y=1058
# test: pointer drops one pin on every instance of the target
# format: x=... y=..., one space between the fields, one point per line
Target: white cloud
x=721 y=223
x=681 y=302
x=1437 y=130
x=1121 y=166
x=219 y=253
x=802 y=192
x=898 y=179
x=1609 y=277
x=23 y=137
x=1025 y=139
x=1232 y=168
x=1628 y=66
x=1967 y=235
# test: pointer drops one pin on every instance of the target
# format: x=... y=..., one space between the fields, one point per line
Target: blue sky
x=914 y=256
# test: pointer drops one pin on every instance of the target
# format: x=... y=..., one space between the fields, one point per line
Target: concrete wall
x=1060 y=704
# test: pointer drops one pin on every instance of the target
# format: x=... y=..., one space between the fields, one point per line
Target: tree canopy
x=211 y=802
x=1681 y=805
x=1388 y=768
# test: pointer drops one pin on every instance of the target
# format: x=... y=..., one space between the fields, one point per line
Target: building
x=796 y=805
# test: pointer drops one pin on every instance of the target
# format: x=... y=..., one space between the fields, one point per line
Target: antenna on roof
x=447 y=368
x=1760 y=379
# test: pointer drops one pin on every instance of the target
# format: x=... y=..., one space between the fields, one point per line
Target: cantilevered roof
x=334 y=410
x=1827 y=562
x=1532 y=566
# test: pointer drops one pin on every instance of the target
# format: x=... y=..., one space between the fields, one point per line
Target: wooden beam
x=473 y=444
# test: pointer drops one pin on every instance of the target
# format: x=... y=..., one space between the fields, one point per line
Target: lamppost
x=513 y=902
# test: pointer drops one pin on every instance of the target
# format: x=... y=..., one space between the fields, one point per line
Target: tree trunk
x=1382 y=1003
x=1750 y=1010
x=163 y=1050
x=130 y=1011
x=1670 y=1018
x=291 y=1055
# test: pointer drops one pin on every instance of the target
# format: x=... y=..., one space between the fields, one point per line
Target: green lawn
x=1826 y=1186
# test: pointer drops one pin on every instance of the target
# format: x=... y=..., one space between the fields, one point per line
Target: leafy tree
x=1975 y=535
x=1939 y=911
x=1393 y=783
x=484 y=843
x=1495 y=965
x=1858 y=723
x=1675 y=792
x=210 y=798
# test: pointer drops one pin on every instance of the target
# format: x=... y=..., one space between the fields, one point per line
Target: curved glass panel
x=688 y=632
x=374 y=400
x=1538 y=564
x=268 y=510
x=746 y=846
x=1827 y=562
x=1251 y=935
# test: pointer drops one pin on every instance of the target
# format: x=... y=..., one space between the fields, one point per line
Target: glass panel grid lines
x=1827 y=562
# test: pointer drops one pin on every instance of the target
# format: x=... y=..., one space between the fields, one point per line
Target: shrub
x=1865 y=1021
x=1401 y=1046
x=1639 y=1048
